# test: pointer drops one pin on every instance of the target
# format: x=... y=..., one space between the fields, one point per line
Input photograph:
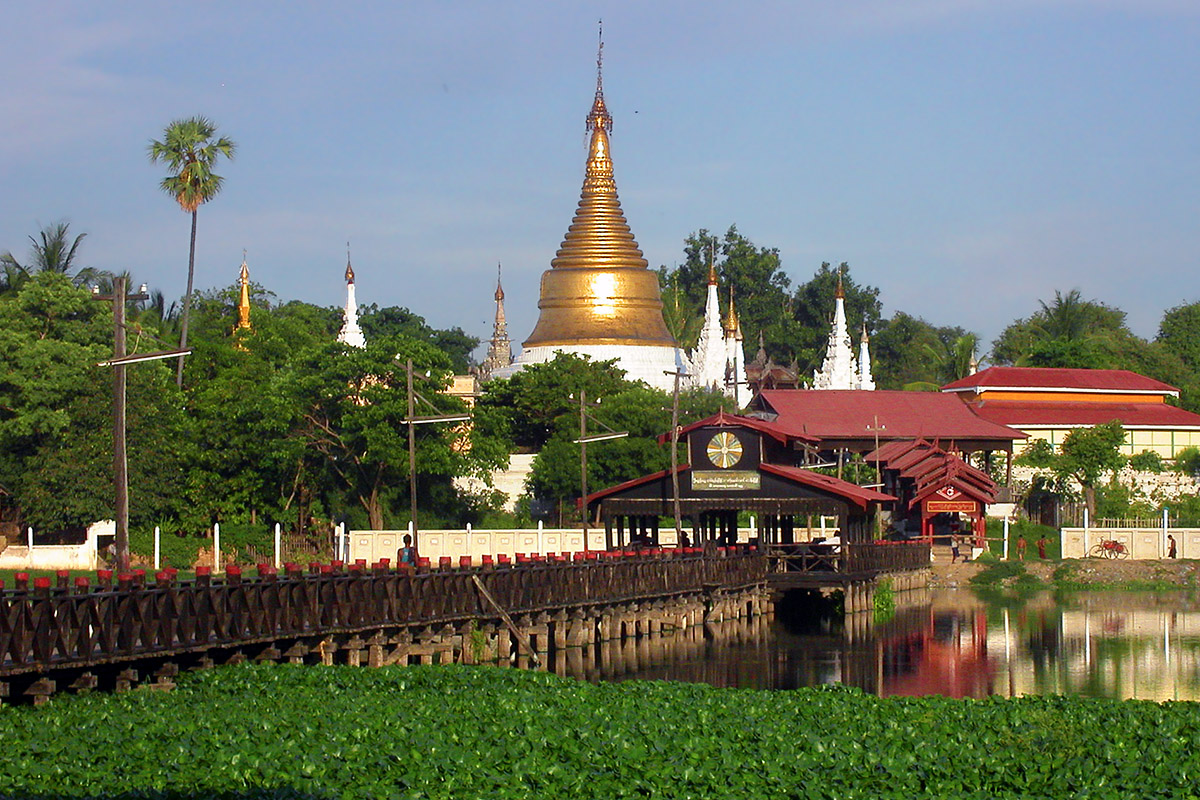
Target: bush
x=1147 y=461
x=1187 y=461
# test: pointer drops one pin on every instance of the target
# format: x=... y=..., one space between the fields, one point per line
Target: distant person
x=954 y=548
x=1041 y=546
x=1171 y=551
x=407 y=554
x=684 y=540
x=1021 y=544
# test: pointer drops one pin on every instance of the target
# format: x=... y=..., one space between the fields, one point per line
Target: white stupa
x=350 y=333
x=840 y=370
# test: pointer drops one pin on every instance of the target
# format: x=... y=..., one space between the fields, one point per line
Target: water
x=950 y=642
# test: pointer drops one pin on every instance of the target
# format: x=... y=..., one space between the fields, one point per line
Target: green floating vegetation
x=275 y=731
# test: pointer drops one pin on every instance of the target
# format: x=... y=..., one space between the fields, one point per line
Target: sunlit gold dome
x=599 y=289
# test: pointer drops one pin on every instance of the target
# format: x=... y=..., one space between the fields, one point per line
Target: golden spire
x=841 y=293
x=349 y=269
x=599 y=290
x=499 y=288
x=731 y=320
x=244 y=296
x=712 y=265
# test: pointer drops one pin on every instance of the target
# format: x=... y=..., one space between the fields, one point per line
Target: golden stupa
x=599 y=289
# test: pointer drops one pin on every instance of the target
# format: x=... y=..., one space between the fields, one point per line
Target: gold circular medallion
x=724 y=450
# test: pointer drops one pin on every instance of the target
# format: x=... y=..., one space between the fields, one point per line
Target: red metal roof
x=772 y=429
x=620 y=487
x=848 y=414
x=1059 y=379
x=1020 y=414
x=851 y=491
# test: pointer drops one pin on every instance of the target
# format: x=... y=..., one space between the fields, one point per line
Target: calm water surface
x=949 y=642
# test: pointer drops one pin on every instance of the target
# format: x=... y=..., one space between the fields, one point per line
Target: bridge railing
x=55 y=626
x=848 y=559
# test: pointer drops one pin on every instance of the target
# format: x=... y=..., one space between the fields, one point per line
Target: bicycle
x=1109 y=548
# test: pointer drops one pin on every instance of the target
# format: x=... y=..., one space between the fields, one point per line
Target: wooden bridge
x=852 y=569
x=64 y=634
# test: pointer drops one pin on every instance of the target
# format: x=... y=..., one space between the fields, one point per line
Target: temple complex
x=350 y=333
x=599 y=298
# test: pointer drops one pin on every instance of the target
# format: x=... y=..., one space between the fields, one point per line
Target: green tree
x=190 y=152
x=755 y=274
x=53 y=251
x=812 y=310
x=396 y=321
x=1179 y=333
x=1067 y=332
x=530 y=404
x=1088 y=453
x=910 y=353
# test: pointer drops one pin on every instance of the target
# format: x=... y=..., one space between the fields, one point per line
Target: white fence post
x=539 y=538
x=29 y=534
x=216 y=547
x=277 y=563
x=1006 y=546
x=1163 y=552
x=157 y=549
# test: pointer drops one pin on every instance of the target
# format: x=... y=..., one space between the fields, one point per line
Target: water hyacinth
x=275 y=731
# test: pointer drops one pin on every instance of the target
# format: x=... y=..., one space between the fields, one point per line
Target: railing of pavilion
x=66 y=624
x=848 y=559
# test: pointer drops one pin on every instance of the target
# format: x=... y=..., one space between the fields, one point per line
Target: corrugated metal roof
x=904 y=415
x=1054 y=378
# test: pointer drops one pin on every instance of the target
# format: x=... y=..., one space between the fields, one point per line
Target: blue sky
x=968 y=157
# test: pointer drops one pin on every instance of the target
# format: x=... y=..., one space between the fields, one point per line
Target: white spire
x=708 y=359
x=865 y=381
x=839 y=370
x=350 y=333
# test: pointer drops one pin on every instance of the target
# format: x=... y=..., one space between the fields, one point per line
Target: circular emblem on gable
x=724 y=450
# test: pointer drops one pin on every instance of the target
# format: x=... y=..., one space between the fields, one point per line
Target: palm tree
x=190 y=151
x=55 y=252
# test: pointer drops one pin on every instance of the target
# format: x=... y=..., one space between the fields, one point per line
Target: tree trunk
x=1089 y=499
x=187 y=303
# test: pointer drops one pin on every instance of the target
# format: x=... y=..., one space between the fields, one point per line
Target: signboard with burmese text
x=726 y=480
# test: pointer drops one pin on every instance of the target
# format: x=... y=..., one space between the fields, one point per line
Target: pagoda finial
x=598 y=117
x=499 y=288
x=349 y=269
x=841 y=293
x=244 y=295
x=731 y=320
x=712 y=265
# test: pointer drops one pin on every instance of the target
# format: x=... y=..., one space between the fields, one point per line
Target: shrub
x=1147 y=461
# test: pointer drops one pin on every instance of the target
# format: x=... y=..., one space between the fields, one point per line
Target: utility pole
x=583 y=463
x=582 y=441
x=675 y=455
x=118 y=362
x=412 y=421
x=120 y=462
x=412 y=454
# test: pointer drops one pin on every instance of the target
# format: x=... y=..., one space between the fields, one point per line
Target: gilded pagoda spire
x=243 y=322
x=599 y=289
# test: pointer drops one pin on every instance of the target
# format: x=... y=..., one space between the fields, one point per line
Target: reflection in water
x=1118 y=645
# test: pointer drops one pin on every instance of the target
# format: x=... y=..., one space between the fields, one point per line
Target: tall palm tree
x=190 y=151
x=55 y=252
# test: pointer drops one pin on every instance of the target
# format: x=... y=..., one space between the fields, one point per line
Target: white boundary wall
x=84 y=556
x=1145 y=543
x=433 y=544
